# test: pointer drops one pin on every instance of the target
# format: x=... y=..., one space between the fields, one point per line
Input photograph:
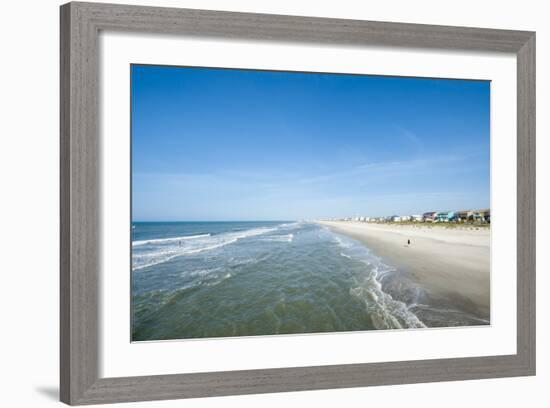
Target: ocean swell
x=152 y=252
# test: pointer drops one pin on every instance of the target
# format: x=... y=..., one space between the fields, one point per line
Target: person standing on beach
x=408 y=242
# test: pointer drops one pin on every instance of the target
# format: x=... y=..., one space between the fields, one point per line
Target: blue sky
x=216 y=144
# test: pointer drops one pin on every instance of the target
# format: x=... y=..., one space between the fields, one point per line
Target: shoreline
x=452 y=265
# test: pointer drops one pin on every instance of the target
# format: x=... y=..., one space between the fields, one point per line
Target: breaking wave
x=384 y=311
x=156 y=251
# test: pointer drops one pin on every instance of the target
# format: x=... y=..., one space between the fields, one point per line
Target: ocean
x=225 y=279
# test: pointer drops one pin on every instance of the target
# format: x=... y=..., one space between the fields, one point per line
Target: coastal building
x=442 y=216
x=474 y=215
x=482 y=215
x=447 y=216
x=429 y=216
x=465 y=215
x=479 y=216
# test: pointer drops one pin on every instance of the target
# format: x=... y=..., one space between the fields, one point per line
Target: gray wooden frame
x=80 y=158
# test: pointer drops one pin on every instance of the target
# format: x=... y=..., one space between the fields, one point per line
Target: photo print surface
x=269 y=202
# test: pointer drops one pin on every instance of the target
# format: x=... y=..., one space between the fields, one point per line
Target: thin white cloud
x=385 y=169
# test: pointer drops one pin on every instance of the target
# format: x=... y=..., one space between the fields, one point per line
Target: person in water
x=408 y=242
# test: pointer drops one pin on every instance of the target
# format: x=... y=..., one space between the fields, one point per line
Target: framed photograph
x=260 y=203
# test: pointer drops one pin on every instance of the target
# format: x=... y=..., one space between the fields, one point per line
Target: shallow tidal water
x=225 y=279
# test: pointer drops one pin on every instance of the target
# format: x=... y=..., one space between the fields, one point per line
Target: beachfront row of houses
x=478 y=216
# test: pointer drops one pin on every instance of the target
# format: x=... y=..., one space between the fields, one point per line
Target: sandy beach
x=453 y=265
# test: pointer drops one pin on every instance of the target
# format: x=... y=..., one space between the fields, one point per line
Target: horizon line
x=213 y=220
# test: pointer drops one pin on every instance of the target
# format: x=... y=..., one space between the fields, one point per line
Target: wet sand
x=450 y=263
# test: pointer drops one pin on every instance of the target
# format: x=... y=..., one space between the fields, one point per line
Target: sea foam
x=167 y=240
x=156 y=251
x=384 y=311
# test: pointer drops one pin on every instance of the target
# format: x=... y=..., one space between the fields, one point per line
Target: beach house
x=447 y=216
x=429 y=216
x=464 y=215
x=482 y=215
x=442 y=216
